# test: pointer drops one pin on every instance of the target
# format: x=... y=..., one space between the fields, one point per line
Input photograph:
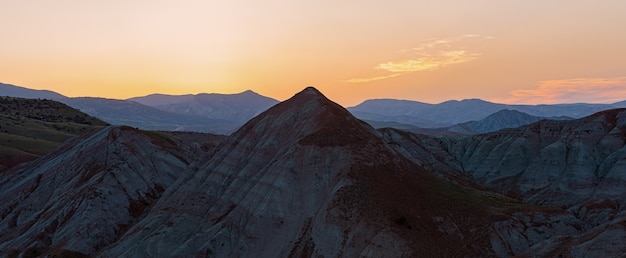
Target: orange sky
x=430 y=51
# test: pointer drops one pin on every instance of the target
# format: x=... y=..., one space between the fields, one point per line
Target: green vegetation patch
x=32 y=127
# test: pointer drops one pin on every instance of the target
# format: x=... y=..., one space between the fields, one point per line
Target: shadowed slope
x=83 y=196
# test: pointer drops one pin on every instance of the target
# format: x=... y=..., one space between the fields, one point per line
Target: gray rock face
x=551 y=162
x=575 y=165
x=85 y=195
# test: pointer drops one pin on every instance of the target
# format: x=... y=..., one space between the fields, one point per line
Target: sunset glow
x=429 y=51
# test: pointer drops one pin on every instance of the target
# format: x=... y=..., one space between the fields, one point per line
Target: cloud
x=430 y=62
x=357 y=80
x=429 y=56
x=588 y=90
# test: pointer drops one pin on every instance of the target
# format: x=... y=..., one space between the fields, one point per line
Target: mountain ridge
x=450 y=113
x=238 y=108
x=11 y=90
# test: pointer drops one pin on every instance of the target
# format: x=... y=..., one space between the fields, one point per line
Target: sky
x=525 y=52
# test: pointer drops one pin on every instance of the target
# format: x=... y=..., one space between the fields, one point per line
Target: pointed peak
x=307 y=113
x=308 y=94
x=248 y=92
x=311 y=91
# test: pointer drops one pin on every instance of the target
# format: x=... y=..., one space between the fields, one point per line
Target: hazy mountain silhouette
x=215 y=113
x=238 y=108
x=124 y=112
x=21 y=92
x=454 y=112
x=497 y=121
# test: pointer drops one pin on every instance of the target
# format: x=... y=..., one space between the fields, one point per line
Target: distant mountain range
x=497 y=121
x=224 y=113
x=454 y=112
x=305 y=178
x=21 y=92
x=214 y=113
x=237 y=108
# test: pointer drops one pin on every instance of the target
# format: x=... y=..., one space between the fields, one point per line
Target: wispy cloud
x=357 y=80
x=429 y=62
x=590 y=90
x=431 y=55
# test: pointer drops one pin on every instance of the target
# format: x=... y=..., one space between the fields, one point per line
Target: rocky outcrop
x=86 y=194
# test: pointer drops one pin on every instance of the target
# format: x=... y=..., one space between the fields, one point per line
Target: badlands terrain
x=307 y=178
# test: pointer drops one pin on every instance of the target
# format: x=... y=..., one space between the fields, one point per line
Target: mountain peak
x=308 y=112
x=311 y=90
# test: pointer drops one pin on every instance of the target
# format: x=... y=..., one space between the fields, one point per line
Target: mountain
x=213 y=113
x=425 y=115
x=576 y=165
x=30 y=128
x=304 y=178
x=123 y=112
x=21 y=92
x=621 y=104
x=238 y=108
x=497 y=121
x=454 y=112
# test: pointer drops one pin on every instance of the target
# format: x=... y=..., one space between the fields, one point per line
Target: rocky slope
x=576 y=165
x=86 y=194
